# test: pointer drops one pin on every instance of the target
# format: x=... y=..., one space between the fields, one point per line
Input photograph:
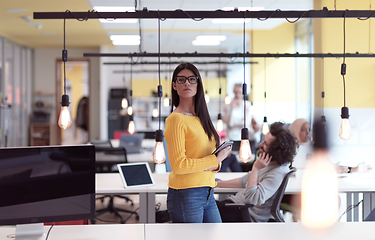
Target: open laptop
x=135 y=174
x=132 y=142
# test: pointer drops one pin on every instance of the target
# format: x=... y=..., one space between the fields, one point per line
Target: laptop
x=132 y=142
x=135 y=174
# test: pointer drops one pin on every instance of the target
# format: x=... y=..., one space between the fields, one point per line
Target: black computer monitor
x=46 y=184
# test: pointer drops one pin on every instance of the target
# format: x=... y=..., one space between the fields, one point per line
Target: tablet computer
x=135 y=174
x=222 y=146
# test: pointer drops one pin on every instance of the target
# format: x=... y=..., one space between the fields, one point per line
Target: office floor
x=111 y=218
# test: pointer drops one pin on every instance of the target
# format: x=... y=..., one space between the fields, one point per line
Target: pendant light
x=124 y=101
x=219 y=125
x=207 y=97
x=265 y=128
x=323 y=117
x=345 y=129
x=130 y=107
x=244 y=153
x=167 y=100
x=319 y=179
x=65 y=119
x=159 y=152
x=131 y=126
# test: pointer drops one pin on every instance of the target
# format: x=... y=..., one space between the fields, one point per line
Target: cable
x=244 y=88
x=351 y=207
x=49 y=230
x=343 y=65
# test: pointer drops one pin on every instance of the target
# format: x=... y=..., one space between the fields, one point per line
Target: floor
x=111 y=218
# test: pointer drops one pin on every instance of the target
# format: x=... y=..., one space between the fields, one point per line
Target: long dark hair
x=200 y=104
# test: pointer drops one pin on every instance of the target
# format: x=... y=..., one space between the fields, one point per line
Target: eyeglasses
x=191 y=79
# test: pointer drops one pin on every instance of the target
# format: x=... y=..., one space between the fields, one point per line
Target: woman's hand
x=223 y=154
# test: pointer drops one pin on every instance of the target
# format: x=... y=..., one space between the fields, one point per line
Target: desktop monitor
x=132 y=142
x=46 y=184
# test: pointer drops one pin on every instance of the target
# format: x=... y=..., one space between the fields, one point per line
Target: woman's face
x=304 y=133
x=186 y=89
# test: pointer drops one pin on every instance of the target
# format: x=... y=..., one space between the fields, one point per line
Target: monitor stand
x=33 y=231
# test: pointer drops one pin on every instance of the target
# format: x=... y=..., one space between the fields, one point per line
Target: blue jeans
x=192 y=205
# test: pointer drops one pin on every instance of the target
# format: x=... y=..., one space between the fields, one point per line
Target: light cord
x=323 y=93
x=159 y=73
x=343 y=75
x=244 y=79
x=265 y=86
x=64 y=62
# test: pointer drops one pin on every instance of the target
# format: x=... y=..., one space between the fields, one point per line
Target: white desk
x=110 y=183
x=87 y=232
x=209 y=231
x=261 y=231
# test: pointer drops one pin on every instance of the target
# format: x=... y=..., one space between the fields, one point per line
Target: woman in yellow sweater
x=191 y=139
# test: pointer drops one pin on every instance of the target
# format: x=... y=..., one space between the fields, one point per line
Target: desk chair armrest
x=240 y=206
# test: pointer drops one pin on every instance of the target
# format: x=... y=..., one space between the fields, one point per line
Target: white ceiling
x=176 y=35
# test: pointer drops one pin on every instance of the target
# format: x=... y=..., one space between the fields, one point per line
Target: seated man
x=259 y=186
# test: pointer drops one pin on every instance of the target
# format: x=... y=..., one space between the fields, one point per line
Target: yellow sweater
x=190 y=152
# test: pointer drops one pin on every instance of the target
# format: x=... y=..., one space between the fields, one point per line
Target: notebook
x=135 y=174
x=132 y=142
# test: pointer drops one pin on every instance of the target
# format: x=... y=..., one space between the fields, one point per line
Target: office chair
x=275 y=207
x=120 y=156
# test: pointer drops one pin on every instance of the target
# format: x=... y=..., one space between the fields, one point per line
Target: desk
x=209 y=231
x=87 y=232
x=110 y=183
x=263 y=231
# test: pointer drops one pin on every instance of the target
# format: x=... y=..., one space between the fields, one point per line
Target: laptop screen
x=132 y=142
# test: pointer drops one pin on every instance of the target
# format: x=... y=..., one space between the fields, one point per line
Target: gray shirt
x=263 y=193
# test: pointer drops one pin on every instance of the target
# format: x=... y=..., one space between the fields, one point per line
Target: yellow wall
x=144 y=87
x=280 y=72
x=328 y=36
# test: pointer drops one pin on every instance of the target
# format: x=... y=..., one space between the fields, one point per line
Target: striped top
x=190 y=152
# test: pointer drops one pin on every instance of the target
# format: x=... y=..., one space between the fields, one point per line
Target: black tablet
x=222 y=146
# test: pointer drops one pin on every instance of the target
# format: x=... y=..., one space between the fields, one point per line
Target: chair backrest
x=101 y=143
x=107 y=157
x=167 y=164
x=275 y=208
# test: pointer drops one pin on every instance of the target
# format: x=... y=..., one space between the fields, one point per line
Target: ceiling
x=178 y=35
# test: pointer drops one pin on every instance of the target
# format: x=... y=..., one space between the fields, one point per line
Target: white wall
x=45 y=78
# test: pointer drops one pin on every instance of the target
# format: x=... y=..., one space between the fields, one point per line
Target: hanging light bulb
x=124 y=103
x=159 y=152
x=244 y=153
x=166 y=101
x=227 y=100
x=219 y=125
x=265 y=128
x=131 y=126
x=345 y=129
x=319 y=179
x=206 y=97
x=130 y=110
x=65 y=120
x=155 y=112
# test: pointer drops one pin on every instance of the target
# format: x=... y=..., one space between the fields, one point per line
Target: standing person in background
x=234 y=117
x=191 y=139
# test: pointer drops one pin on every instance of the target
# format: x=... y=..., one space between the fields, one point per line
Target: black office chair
x=275 y=207
x=107 y=167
